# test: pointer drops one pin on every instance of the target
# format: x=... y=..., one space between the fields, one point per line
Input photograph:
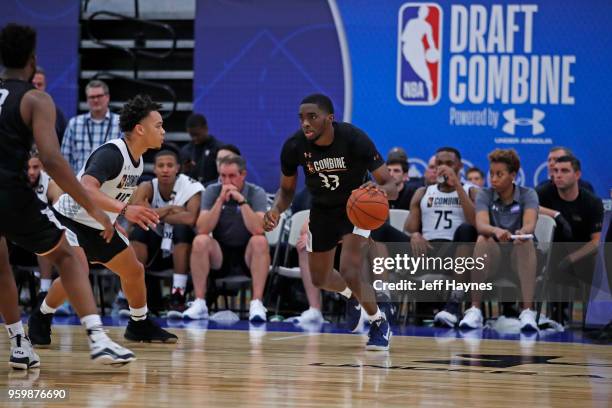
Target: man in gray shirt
x=232 y=210
x=502 y=211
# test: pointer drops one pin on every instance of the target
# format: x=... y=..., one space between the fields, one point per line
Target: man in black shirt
x=553 y=154
x=27 y=114
x=336 y=158
x=570 y=204
x=198 y=157
x=398 y=169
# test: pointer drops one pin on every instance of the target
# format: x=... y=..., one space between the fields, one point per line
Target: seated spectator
x=198 y=157
x=443 y=212
x=225 y=150
x=501 y=211
x=431 y=174
x=176 y=199
x=475 y=176
x=48 y=192
x=398 y=169
x=553 y=154
x=232 y=211
x=579 y=217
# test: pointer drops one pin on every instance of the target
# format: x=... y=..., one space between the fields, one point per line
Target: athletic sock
x=139 y=313
x=93 y=324
x=46 y=309
x=346 y=293
x=375 y=316
x=15 y=329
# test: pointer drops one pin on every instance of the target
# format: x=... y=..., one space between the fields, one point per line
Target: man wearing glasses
x=88 y=131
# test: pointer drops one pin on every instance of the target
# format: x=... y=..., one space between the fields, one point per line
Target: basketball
x=367 y=209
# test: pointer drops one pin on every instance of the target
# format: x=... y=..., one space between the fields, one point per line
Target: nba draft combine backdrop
x=422 y=75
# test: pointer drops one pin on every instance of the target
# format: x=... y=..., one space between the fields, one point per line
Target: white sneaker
x=103 y=350
x=527 y=319
x=472 y=319
x=257 y=311
x=445 y=319
x=197 y=311
x=23 y=355
x=311 y=315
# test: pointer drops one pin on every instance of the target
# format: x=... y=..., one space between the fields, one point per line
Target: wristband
x=243 y=202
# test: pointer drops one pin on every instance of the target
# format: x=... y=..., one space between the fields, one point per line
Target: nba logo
x=419 y=54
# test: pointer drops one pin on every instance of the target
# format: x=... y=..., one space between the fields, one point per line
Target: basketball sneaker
x=355 y=315
x=39 y=328
x=197 y=310
x=386 y=305
x=472 y=319
x=257 y=311
x=379 y=335
x=103 y=350
x=445 y=319
x=311 y=315
x=22 y=354
x=527 y=319
x=147 y=331
x=176 y=305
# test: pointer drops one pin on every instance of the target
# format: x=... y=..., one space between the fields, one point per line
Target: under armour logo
x=534 y=121
x=308 y=155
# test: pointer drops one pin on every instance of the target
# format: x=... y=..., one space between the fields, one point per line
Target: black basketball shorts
x=28 y=222
x=327 y=226
x=96 y=248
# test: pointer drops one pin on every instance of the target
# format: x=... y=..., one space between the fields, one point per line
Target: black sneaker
x=39 y=328
x=148 y=331
x=176 y=305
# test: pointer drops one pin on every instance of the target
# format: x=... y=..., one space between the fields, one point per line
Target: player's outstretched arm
x=282 y=201
x=38 y=110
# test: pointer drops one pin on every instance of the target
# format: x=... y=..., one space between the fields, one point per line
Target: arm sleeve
x=369 y=153
x=530 y=199
x=105 y=163
x=288 y=158
x=258 y=201
x=483 y=200
x=209 y=196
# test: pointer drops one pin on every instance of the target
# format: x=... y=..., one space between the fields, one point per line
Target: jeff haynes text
x=439 y=284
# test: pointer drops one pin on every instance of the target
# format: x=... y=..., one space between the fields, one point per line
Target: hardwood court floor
x=240 y=368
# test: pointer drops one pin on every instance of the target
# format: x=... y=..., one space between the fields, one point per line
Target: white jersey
x=42 y=187
x=184 y=188
x=120 y=188
x=441 y=213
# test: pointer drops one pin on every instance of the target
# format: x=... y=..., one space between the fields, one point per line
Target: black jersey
x=15 y=137
x=332 y=172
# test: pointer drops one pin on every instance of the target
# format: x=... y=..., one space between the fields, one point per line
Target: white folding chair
x=397 y=218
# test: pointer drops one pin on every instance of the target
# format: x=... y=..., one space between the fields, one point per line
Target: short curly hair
x=135 y=110
x=507 y=156
x=17 y=44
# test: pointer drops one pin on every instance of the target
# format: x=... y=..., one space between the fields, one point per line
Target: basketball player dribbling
x=336 y=158
x=27 y=115
x=110 y=176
